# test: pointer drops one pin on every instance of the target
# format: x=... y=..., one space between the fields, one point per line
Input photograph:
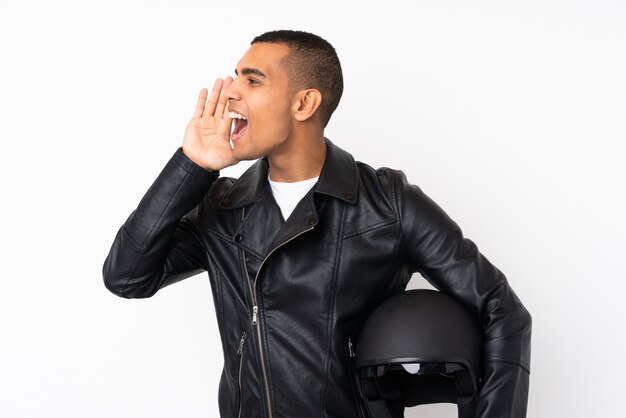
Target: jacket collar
x=338 y=178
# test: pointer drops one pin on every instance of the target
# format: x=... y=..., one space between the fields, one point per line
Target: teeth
x=234 y=115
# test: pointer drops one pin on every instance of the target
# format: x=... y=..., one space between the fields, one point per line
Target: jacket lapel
x=262 y=228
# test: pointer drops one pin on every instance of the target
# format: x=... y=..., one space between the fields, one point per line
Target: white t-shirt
x=287 y=195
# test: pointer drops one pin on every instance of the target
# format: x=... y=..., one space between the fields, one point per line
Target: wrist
x=197 y=163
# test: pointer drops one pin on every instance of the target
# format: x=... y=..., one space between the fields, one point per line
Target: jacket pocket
x=240 y=354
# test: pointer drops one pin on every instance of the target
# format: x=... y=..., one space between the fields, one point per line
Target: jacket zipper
x=351 y=352
x=359 y=398
x=240 y=353
x=255 y=310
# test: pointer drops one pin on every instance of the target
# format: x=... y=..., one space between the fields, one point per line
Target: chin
x=241 y=154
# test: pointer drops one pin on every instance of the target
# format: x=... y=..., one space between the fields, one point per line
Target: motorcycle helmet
x=418 y=347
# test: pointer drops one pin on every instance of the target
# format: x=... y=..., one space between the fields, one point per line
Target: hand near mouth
x=207 y=137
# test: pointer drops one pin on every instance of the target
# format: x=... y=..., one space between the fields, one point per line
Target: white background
x=511 y=115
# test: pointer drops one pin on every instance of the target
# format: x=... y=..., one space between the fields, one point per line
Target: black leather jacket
x=288 y=295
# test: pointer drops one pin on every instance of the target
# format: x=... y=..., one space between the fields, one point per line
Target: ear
x=306 y=104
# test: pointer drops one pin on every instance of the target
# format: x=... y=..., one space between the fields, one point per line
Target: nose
x=231 y=89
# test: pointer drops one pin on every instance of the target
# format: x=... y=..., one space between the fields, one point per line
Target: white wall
x=511 y=115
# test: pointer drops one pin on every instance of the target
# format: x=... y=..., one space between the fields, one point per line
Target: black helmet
x=418 y=347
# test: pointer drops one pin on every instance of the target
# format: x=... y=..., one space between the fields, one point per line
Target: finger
x=226 y=112
x=221 y=103
x=209 y=109
x=227 y=120
x=201 y=102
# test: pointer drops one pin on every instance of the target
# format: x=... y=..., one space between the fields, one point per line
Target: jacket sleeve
x=435 y=247
x=158 y=244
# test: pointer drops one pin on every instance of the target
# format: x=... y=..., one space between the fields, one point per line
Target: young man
x=305 y=244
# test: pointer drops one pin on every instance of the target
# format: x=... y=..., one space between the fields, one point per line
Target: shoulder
x=383 y=179
x=406 y=198
x=217 y=191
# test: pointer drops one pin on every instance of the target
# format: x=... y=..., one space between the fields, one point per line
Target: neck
x=301 y=160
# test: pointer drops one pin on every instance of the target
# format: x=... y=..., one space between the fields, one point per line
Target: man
x=305 y=244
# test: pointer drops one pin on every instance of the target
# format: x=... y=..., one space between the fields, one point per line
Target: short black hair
x=314 y=61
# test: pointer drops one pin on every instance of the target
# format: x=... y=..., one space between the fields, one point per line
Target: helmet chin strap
x=467 y=407
x=378 y=407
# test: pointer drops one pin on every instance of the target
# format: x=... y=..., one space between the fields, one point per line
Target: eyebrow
x=248 y=70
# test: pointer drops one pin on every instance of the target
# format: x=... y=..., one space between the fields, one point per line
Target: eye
x=252 y=81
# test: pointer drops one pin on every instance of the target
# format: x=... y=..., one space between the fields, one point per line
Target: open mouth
x=239 y=126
